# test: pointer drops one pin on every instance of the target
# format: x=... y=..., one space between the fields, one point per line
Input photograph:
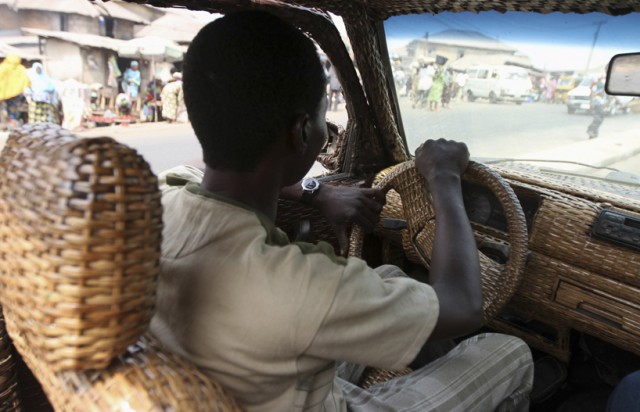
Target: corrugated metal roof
x=6 y=50
x=19 y=40
x=177 y=26
x=88 y=40
x=94 y=8
x=466 y=38
x=116 y=11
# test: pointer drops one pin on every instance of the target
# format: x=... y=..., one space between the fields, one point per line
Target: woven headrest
x=80 y=233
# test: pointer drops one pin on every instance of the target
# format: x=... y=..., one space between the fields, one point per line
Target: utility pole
x=593 y=45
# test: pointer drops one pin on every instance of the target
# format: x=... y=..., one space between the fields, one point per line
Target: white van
x=498 y=83
x=579 y=99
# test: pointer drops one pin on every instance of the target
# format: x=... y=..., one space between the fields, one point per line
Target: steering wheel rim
x=499 y=281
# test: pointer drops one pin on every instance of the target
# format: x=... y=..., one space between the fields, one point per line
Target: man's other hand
x=345 y=205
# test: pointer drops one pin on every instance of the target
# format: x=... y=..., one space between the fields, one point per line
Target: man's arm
x=343 y=206
x=455 y=268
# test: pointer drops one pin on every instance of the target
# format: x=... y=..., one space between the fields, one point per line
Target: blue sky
x=553 y=41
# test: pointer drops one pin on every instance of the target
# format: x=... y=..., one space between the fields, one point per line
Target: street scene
x=411 y=205
x=127 y=84
x=539 y=129
x=85 y=64
x=165 y=145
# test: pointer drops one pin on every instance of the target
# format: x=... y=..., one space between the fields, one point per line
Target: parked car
x=498 y=83
x=579 y=99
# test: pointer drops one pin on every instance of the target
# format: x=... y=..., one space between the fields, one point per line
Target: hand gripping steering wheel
x=499 y=280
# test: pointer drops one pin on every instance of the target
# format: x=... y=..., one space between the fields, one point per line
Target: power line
x=593 y=45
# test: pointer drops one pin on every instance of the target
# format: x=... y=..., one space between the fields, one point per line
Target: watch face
x=310 y=184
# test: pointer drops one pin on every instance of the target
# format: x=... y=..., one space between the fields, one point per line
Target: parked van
x=498 y=83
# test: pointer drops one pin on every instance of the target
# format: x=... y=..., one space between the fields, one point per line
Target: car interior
x=81 y=224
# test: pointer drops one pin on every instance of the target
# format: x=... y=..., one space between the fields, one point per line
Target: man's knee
x=504 y=348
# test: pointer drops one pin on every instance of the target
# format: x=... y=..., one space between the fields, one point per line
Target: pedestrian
x=285 y=326
x=123 y=104
x=597 y=108
x=550 y=96
x=461 y=82
x=437 y=88
x=447 y=90
x=335 y=88
x=409 y=84
x=425 y=80
x=14 y=80
x=399 y=80
x=152 y=100
x=131 y=81
x=542 y=89
x=42 y=97
x=172 y=98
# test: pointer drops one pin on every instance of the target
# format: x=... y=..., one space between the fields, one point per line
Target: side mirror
x=623 y=75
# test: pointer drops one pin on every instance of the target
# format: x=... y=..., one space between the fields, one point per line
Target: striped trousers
x=485 y=373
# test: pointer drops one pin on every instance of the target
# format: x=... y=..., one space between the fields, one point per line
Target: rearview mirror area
x=623 y=75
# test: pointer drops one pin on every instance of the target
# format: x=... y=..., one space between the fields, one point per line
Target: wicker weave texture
x=564 y=232
x=382 y=9
x=583 y=300
x=571 y=279
x=9 y=400
x=80 y=223
x=375 y=376
x=499 y=281
x=144 y=378
x=588 y=192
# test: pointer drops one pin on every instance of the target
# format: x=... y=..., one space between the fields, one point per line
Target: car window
x=512 y=90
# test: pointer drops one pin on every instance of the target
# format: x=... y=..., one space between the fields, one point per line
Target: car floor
x=591 y=375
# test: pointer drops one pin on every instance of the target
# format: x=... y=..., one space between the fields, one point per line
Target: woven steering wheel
x=499 y=281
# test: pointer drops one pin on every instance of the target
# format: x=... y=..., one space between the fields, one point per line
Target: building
x=180 y=26
x=79 y=56
x=78 y=16
x=462 y=48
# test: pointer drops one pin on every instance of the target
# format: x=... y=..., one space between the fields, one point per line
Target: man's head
x=134 y=65
x=247 y=77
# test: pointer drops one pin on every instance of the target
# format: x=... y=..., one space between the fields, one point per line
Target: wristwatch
x=310 y=185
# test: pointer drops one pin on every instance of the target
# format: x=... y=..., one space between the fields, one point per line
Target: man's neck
x=250 y=188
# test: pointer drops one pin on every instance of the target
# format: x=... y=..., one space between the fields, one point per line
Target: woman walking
x=172 y=98
x=42 y=97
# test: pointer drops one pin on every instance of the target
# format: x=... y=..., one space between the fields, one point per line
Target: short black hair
x=246 y=76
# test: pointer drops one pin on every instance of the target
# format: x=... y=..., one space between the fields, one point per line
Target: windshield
x=565 y=82
x=492 y=81
x=587 y=82
x=516 y=75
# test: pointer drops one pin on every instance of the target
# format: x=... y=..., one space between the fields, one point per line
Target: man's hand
x=344 y=205
x=436 y=159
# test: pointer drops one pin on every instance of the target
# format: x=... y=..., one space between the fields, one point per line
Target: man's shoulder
x=179 y=176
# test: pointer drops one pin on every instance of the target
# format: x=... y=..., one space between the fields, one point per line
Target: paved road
x=538 y=126
x=490 y=129
x=163 y=145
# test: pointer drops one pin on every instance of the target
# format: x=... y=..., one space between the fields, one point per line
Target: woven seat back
x=80 y=233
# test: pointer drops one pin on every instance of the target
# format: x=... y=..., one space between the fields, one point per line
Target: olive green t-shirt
x=268 y=319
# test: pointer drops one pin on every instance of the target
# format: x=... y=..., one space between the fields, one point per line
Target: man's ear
x=297 y=133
